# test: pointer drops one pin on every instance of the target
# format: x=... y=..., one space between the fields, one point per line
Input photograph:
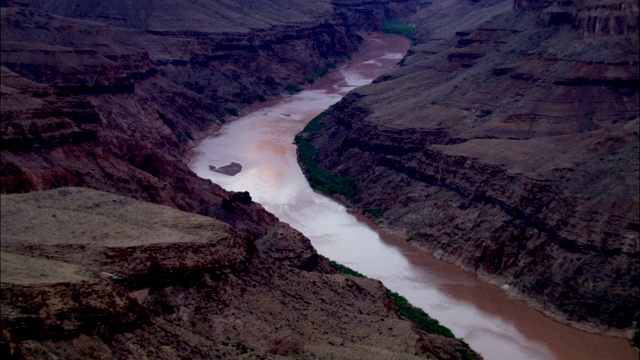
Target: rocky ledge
x=95 y=275
x=509 y=149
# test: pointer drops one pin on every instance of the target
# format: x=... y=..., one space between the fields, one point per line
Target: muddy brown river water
x=262 y=143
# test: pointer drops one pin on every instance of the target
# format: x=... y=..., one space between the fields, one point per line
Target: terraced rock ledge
x=88 y=274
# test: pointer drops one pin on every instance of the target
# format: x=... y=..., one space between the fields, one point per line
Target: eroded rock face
x=604 y=17
x=510 y=150
x=112 y=96
x=92 y=274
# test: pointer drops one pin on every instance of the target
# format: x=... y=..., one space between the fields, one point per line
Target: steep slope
x=86 y=103
x=510 y=149
x=87 y=274
x=111 y=96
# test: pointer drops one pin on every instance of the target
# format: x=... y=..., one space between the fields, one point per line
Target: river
x=262 y=142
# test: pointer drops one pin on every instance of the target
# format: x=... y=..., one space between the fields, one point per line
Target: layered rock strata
x=88 y=274
x=112 y=96
x=511 y=150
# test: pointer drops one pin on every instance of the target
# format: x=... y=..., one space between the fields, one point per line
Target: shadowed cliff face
x=111 y=96
x=87 y=274
x=509 y=149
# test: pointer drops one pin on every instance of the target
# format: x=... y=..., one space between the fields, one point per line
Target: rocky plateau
x=89 y=274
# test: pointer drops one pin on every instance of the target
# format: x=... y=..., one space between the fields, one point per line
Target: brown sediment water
x=262 y=143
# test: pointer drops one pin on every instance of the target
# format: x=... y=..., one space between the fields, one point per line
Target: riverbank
x=493 y=324
x=446 y=151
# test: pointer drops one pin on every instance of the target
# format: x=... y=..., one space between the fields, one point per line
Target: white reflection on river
x=262 y=142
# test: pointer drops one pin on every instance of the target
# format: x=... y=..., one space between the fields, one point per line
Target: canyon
x=111 y=247
x=514 y=157
x=506 y=143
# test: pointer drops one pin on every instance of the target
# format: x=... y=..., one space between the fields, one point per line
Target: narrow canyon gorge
x=514 y=157
x=505 y=143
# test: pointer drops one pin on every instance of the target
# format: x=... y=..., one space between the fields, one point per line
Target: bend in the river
x=256 y=154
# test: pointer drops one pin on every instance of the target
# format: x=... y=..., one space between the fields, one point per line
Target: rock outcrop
x=510 y=149
x=88 y=274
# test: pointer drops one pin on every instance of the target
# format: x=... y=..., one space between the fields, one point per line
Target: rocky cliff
x=88 y=274
x=111 y=96
x=115 y=106
x=509 y=148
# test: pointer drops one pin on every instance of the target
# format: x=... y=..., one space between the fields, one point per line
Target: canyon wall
x=509 y=149
x=111 y=96
x=88 y=103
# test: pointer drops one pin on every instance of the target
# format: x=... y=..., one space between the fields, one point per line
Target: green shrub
x=395 y=26
x=292 y=89
x=261 y=98
x=315 y=125
x=322 y=72
x=345 y=270
x=320 y=180
x=465 y=354
x=422 y=320
x=426 y=323
x=189 y=135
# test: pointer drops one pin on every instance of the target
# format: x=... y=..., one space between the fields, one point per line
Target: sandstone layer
x=113 y=103
x=88 y=274
x=111 y=96
x=509 y=147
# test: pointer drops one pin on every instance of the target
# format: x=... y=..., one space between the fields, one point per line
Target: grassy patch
x=395 y=26
x=426 y=323
x=465 y=354
x=345 y=270
x=422 y=320
x=292 y=89
x=315 y=125
x=320 y=180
